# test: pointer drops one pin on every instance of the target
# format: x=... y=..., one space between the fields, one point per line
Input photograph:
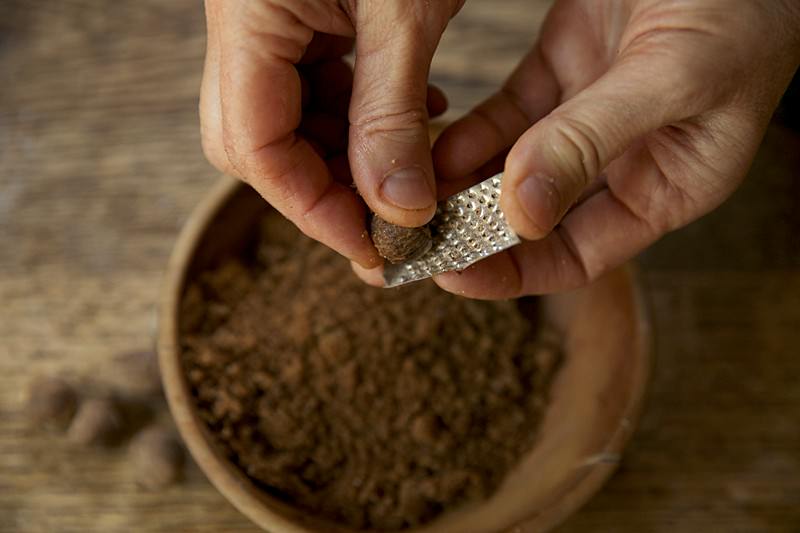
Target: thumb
x=390 y=153
x=560 y=156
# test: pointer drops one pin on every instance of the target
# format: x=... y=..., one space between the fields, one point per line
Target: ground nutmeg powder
x=375 y=408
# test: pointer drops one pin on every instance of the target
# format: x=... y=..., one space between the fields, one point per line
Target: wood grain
x=100 y=164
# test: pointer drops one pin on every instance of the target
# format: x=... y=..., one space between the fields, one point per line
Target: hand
x=275 y=101
x=628 y=119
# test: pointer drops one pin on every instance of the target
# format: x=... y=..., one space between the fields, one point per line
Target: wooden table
x=100 y=163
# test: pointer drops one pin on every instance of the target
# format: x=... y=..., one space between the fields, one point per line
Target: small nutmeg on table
x=397 y=243
x=106 y=415
x=98 y=422
x=158 y=457
x=51 y=402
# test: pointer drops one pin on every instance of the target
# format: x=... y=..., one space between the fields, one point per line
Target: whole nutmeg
x=51 y=402
x=98 y=422
x=158 y=457
x=398 y=243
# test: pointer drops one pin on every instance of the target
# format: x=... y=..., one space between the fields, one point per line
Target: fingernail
x=408 y=188
x=539 y=199
x=370 y=276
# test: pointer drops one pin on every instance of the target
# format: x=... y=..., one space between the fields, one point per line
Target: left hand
x=282 y=110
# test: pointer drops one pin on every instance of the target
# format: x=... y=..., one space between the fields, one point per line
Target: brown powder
x=371 y=407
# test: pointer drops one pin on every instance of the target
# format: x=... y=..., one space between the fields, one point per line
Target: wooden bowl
x=595 y=399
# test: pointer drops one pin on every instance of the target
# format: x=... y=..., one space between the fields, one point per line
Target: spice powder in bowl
x=374 y=408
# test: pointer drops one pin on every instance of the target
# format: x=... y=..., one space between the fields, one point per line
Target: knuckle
x=580 y=271
x=214 y=151
x=401 y=123
x=576 y=148
x=271 y=29
x=233 y=159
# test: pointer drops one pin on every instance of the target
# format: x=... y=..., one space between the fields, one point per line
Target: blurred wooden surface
x=100 y=163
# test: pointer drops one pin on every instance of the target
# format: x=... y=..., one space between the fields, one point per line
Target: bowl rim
x=234 y=485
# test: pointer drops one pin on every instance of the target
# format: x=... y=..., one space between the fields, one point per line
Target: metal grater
x=466 y=228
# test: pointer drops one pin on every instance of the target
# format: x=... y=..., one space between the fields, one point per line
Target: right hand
x=280 y=109
x=628 y=119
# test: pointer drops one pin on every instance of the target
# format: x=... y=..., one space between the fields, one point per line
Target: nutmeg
x=51 y=402
x=98 y=422
x=157 y=456
x=398 y=243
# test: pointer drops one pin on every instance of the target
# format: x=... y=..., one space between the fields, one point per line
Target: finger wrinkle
x=550 y=71
x=499 y=131
x=584 y=154
x=585 y=274
x=266 y=30
x=242 y=159
x=269 y=47
x=646 y=220
x=331 y=188
x=272 y=164
x=327 y=16
x=403 y=124
x=518 y=273
x=513 y=98
x=655 y=209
